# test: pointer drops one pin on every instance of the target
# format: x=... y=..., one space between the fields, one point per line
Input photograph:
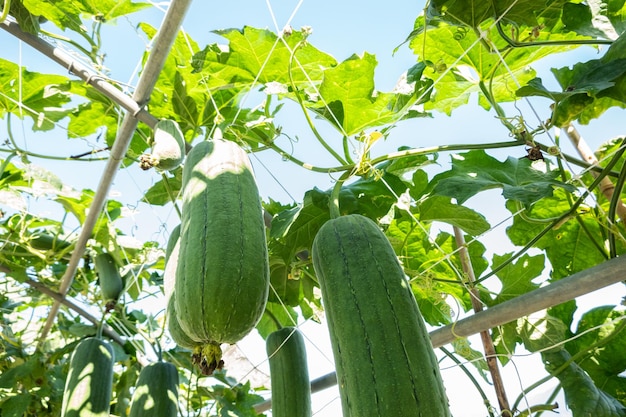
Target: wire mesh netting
x=482 y=203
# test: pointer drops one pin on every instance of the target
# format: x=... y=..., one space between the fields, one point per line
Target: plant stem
x=170 y=193
x=6 y=161
x=5 y=10
x=529 y=388
x=538 y=407
x=499 y=111
x=591 y=236
x=616 y=202
x=304 y=109
x=515 y=44
x=333 y=203
x=72 y=42
x=306 y=165
x=346 y=150
x=274 y=319
x=485 y=336
x=471 y=377
x=609 y=190
x=443 y=148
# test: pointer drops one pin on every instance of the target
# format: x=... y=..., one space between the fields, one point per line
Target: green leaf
x=592 y=87
x=474 y=68
x=432 y=272
x=275 y=311
x=63 y=13
x=570 y=247
x=285 y=288
x=39 y=96
x=349 y=99
x=601 y=336
x=250 y=51
x=159 y=193
x=541 y=334
x=463 y=348
x=460 y=12
x=516 y=277
x=109 y=10
x=583 y=397
x=475 y=171
x=97 y=115
x=535 y=87
x=472 y=14
x=28 y=21
x=400 y=166
x=16 y=405
x=598 y=19
x=66 y=14
x=438 y=208
x=18 y=372
x=295 y=228
x=237 y=400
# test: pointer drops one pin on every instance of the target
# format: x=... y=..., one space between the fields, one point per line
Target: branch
x=581 y=283
x=485 y=335
x=106 y=329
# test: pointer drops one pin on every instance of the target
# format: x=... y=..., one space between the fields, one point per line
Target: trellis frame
x=581 y=283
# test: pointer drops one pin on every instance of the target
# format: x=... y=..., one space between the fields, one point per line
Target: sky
x=340 y=28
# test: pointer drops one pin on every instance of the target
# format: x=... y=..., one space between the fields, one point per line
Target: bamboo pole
x=162 y=44
x=606 y=186
x=581 y=283
x=81 y=71
x=485 y=335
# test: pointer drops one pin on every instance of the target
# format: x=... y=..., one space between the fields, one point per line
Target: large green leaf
x=438 y=208
x=38 y=96
x=474 y=13
x=346 y=98
x=66 y=14
x=296 y=227
x=94 y=117
x=349 y=99
x=165 y=191
x=572 y=247
x=434 y=274
x=475 y=171
x=473 y=66
x=589 y=88
x=517 y=277
x=276 y=315
x=602 y=336
x=99 y=115
x=583 y=397
x=29 y=21
x=596 y=18
x=258 y=54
